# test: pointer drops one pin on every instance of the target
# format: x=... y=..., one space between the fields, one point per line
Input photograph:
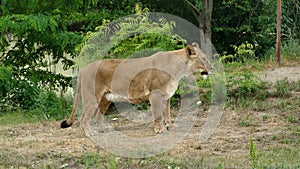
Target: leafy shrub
x=48 y=105
x=145 y=41
x=243 y=52
x=134 y=36
x=243 y=87
x=15 y=92
x=5 y=83
x=37 y=43
x=243 y=84
x=18 y=94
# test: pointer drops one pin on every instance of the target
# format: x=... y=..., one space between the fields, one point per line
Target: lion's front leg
x=157 y=106
x=167 y=115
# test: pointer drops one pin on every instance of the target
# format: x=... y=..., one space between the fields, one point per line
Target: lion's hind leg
x=89 y=110
x=99 y=116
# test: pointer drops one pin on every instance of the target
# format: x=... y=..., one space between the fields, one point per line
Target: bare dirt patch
x=272 y=75
x=44 y=144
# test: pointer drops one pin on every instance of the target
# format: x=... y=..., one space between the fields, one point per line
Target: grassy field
x=260 y=128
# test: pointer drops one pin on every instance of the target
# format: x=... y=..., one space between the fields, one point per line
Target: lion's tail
x=70 y=121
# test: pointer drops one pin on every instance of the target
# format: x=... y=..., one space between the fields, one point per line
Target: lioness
x=154 y=79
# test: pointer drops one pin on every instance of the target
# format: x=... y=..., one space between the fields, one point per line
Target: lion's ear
x=190 y=51
x=195 y=45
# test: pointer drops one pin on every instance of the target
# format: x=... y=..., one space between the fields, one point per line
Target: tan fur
x=154 y=79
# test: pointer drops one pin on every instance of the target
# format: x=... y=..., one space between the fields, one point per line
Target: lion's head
x=198 y=61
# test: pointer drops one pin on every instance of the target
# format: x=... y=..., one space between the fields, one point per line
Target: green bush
x=27 y=96
x=244 y=88
x=243 y=84
x=5 y=83
x=49 y=105
x=242 y=53
x=133 y=36
x=15 y=92
x=144 y=41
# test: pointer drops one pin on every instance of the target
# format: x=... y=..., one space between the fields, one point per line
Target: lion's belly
x=137 y=88
x=113 y=97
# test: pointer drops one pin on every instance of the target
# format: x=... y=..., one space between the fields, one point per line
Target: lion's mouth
x=204 y=73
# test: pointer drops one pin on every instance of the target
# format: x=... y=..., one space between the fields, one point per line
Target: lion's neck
x=182 y=68
x=181 y=53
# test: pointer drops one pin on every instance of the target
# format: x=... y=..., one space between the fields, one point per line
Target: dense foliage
x=236 y=22
x=36 y=35
x=133 y=36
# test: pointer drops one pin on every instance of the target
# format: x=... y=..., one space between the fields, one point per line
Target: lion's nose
x=204 y=73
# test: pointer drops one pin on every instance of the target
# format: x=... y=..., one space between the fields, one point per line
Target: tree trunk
x=278 y=33
x=203 y=17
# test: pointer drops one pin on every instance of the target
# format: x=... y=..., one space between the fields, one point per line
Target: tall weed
x=49 y=105
x=254 y=155
x=289 y=49
x=282 y=88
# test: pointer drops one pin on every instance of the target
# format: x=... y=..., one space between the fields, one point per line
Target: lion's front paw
x=168 y=124
x=160 y=128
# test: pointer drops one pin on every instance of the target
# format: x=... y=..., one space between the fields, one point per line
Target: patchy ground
x=272 y=75
x=277 y=138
